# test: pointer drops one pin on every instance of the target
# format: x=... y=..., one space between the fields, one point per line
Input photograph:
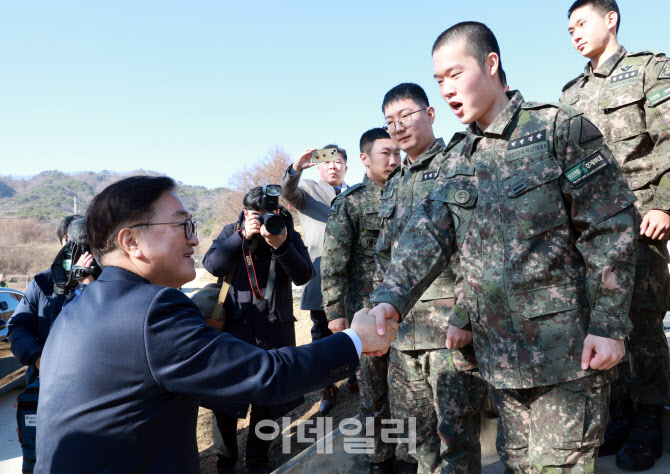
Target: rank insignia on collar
x=588 y=131
x=665 y=72
x=526 y=140
x=623 y=76
x=428 y=175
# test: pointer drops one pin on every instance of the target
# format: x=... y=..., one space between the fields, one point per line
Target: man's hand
x=338 y=325
x=366 y=328
x=305 y=161
x=602 y=353
x=85 y=260
x=381 y=313
x=656 y=225
x=273 y=241
x=458 y=338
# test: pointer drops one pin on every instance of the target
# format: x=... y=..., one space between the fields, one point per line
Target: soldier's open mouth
x=456 y=107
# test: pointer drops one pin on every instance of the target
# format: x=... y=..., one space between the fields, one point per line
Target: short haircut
x=406 y=90
x=478 y=41
x=339 y=150
x=127 y=202
x=601 y=6
x=253 y=200
x=369 y=137
x=62 y=227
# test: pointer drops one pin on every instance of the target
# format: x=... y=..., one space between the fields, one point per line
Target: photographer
x=30 y=324
x=256 y=312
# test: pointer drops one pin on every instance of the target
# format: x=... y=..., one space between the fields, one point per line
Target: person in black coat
x=262 y=316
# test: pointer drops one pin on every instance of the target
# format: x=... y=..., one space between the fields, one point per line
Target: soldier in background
x=626 y=95
x=347 y=268
x=545 y=228
x=438 y=388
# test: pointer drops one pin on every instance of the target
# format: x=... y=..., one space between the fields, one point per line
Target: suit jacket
x=312 y=199
x=126 y=363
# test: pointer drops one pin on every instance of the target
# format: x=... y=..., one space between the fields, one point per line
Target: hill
x=51 y=195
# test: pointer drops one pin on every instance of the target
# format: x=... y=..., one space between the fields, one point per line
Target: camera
x=63 y=271
x=274 y=223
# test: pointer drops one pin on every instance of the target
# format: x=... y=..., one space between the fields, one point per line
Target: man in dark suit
x=128 y=360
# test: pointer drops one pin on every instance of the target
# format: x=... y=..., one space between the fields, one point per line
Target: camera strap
x=251 y=273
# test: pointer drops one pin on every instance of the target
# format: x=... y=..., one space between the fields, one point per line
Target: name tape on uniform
x=528 y=145
x=587 y=169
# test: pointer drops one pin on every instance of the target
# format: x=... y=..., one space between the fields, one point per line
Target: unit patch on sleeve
x=587 y=169
x=665 y=72
x=589 y=131
x=659 y=96
x=428 y=175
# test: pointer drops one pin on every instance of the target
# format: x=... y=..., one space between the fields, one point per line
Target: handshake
x=375 y=341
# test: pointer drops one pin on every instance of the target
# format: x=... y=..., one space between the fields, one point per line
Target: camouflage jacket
x=425 y=325
x=348 y=262
x=628 y=99
x=545 y=227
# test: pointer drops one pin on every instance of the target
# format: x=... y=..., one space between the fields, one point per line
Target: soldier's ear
x=492 y=64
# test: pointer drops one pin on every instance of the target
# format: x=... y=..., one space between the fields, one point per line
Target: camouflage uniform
x=627 y=99
x=438 y=387
x=347 y=268
x=545 y=229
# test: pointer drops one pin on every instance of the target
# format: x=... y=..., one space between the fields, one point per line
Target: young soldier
x=543 y=221
x=438 y=388
x=347 y=267
x=626 y=96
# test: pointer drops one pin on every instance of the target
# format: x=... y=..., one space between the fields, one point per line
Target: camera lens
x=274 y=224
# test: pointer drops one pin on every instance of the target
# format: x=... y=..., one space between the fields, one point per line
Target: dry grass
x=347 y=406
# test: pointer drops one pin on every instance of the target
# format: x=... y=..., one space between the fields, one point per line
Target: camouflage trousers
x=649 y=381
x=551 y=429
x=372 y=375
x=445 y=403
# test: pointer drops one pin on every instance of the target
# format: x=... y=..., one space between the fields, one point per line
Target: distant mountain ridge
x=50 y=194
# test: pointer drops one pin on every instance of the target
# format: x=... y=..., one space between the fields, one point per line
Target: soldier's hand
x=656 y=225
x=338 y=325
x=305 y=161
x=382 y=312
x=366 y=328
x=458 y=338
x=602 y=353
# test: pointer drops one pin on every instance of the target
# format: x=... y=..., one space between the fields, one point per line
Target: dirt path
x=347 y=406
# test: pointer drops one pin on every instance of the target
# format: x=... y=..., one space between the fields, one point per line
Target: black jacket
x=268 y=323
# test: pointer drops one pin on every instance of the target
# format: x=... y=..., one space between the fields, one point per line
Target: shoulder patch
x=335 y=206
x=351 y=189
x=588 y=131
x=659 y=96
x=587 y=169
x=665 y=72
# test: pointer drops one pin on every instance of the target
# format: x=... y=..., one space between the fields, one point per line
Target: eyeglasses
x=403 y=121
x=190 y=227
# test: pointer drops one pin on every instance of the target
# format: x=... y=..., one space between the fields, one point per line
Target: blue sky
x=197 y=89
